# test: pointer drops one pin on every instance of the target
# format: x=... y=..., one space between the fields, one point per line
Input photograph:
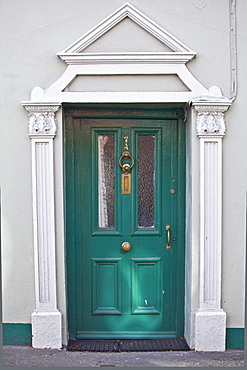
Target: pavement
x=23 y=356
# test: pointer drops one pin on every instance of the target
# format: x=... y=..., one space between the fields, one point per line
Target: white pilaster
x=46 y=318
x=210 y=319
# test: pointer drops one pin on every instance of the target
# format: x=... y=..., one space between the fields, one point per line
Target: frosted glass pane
x=106 y=181
x=146 y=181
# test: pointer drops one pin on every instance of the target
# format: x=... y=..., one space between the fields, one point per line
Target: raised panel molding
x=106 y=286
x=146 y=285
x=43 y=221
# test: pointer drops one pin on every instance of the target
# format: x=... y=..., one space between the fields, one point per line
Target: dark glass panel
x=146 y=180
x=106 y=180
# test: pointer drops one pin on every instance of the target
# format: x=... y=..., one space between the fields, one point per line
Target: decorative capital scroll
x=210 y=118
x=210 y=123
x=42 y=120
x=42 y=123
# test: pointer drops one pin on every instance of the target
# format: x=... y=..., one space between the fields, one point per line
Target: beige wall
x=34 y=31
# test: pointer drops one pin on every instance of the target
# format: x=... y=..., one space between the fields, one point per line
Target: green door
x=124 y=184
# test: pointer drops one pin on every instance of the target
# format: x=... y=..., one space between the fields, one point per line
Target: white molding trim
x=126 y=58
x=210 y=319
x=57 y=91
x=46 y=318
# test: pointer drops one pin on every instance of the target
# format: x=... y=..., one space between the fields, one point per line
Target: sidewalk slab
x=22 y=356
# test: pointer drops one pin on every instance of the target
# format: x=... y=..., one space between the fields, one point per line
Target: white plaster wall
x=33 y=32
x=16 y=248
x=234 y=189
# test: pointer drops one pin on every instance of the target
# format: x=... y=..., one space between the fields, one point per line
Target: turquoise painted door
x=113 y=292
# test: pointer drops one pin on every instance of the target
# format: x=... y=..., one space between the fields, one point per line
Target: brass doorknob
x=126 y=246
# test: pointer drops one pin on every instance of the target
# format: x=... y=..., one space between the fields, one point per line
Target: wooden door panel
x=146 y=277
x=106 y=286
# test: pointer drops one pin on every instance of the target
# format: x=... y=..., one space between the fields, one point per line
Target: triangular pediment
x=125 y=58
x=127 y=31
x=127 y=36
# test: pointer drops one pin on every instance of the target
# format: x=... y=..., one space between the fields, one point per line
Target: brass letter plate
x=126 y=183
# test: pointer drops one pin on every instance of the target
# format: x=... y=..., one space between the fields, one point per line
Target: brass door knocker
x=126 y=166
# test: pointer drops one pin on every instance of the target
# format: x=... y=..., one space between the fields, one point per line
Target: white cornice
x=41 y=107
x=212 y=105
x=127 y=58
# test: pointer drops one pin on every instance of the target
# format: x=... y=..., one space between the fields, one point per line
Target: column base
x=210 y=330
x=46 y=329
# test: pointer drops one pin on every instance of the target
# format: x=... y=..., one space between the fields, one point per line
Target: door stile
x=173 y=201
x=81 y=214
x=181 y=224
x=69 y=154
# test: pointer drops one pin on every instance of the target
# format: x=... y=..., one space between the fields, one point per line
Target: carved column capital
x=210 y=118
x=210 y=123
x=42 y=119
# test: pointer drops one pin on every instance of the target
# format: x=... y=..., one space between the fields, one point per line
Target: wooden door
x=113 y=292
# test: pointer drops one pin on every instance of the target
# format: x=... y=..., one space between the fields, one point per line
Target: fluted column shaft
x=210 y=320
x=46 y=318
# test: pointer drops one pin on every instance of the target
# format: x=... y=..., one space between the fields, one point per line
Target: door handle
x=126 y=246
x=168 y=228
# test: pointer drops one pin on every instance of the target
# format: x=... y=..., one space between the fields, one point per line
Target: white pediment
x=127 y=35
x=126 y=58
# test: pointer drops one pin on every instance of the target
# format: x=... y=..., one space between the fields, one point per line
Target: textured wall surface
x=33 y=32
